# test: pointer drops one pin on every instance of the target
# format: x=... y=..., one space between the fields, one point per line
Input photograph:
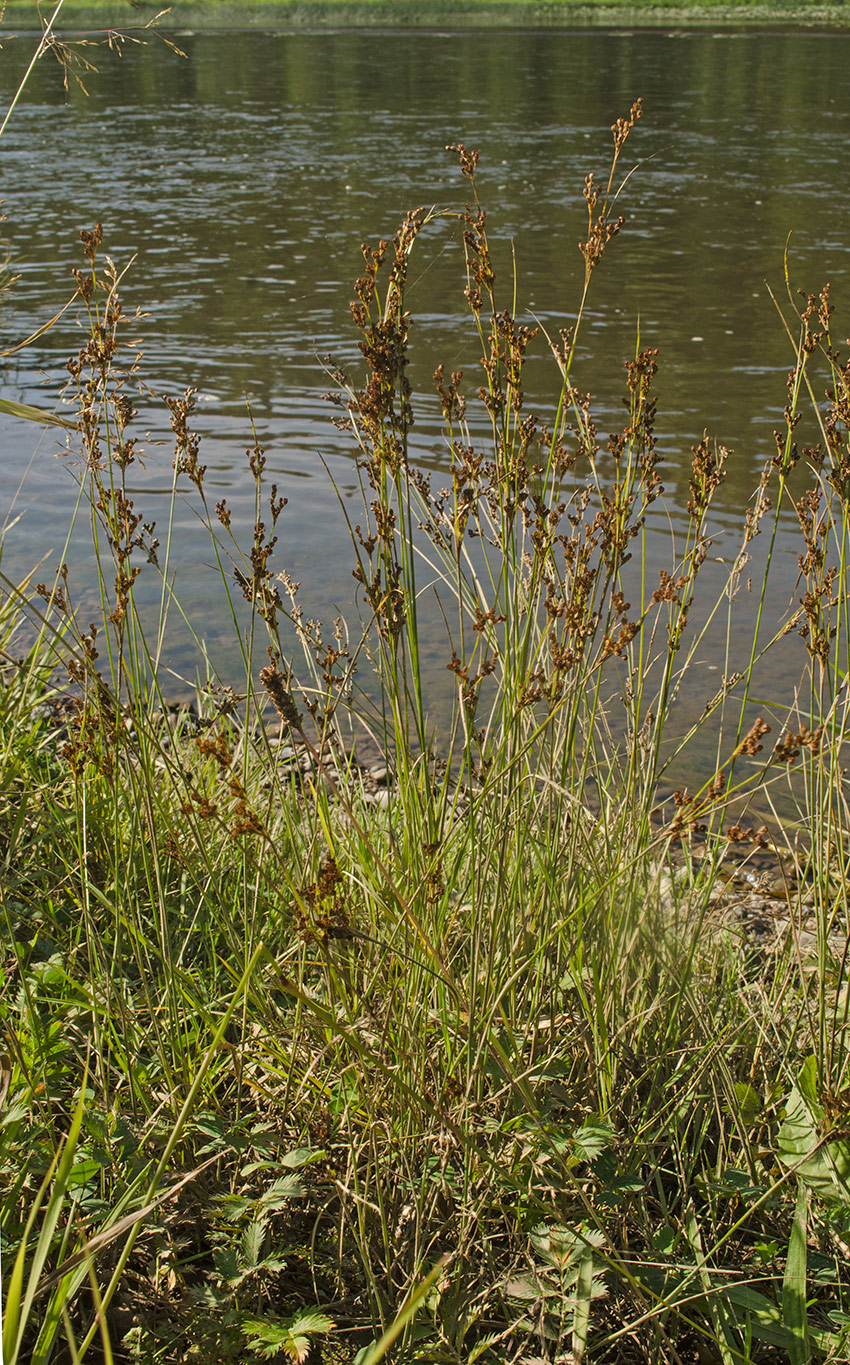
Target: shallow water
x=243 y=176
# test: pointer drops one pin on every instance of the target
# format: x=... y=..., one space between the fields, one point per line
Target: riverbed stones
x=773 y=914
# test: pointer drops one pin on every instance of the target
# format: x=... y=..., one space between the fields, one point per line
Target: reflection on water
x=244 y=175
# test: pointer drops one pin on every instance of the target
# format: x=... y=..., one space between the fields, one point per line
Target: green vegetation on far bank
x=283 y=14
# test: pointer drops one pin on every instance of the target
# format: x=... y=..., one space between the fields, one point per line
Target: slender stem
x=39 y=52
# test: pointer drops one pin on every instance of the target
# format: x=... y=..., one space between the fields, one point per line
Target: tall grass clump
x=483 y=1047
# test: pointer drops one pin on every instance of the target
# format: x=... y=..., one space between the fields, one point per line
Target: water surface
x=242 y=177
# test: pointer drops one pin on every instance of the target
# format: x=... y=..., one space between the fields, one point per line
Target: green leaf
x=766 y=1320
x=664 y=1239
x=794 y=1285
x=288 y=1187
x=581 y=1317
x=30 y=414
x=825 y=1166
x=764 y=1316
x=83 y=1172
x=302 y=1156
x=252 y=1242
x=590 y=1140
x=269 y=1336
x=749 y=1103
x=227 y=1266
x=522 y=1287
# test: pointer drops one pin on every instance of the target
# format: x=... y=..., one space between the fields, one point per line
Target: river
x=242 y=173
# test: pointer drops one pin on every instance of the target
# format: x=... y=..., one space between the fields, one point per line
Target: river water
x=242 y=174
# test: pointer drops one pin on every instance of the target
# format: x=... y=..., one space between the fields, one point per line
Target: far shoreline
x=305 y=15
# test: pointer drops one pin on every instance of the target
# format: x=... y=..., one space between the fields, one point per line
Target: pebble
x=284 y=753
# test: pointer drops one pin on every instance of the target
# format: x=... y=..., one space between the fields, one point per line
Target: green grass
x=483 y=1064
x=283 y=14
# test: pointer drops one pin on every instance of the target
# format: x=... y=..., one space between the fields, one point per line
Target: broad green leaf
x=722 y=1319
x=825 y=1166
x=302 y=1156
x=83 y=1172
x=665 y=1239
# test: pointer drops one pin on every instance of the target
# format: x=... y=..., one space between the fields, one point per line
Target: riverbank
x=471 y=1055
x=306 y=14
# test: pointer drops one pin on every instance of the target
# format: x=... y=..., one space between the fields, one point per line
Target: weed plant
x=481 y=1056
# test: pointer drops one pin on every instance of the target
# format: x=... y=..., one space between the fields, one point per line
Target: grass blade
x=794 y=1314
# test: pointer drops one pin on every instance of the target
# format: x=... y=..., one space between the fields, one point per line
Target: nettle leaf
x=598 y=1286
x=13 y=1113
x=228 y=1267
x=233 y=1206
x=562 y=1246
x=252 y=1241
x=483 y=1346
x=823 y=1166
x=208 y=1295
x=585 y=1143
x=271 y=1336
x=592 y=1138
x=523 y=1287
x=287 y=1187
x=315 y=1322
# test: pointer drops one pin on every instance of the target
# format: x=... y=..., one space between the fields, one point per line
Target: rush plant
x=476 y=1048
